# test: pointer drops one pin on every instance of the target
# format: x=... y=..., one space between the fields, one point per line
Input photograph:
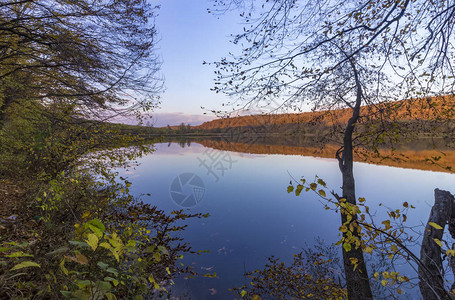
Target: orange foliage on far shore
x=430 y=108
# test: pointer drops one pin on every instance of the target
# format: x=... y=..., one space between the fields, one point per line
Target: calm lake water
x=251 y=214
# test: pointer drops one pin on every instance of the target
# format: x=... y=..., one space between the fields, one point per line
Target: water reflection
x=252 y=215
x=429 y=154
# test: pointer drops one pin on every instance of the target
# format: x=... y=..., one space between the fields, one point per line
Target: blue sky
x=188 y=36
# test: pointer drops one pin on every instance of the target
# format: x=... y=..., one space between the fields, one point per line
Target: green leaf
x=103 y=266
x=66 y=293
x=110 y=296
x=243 y=293
x=25 y=264
x=80 y=244
x=103 y=285
x=434 y=225
x=322 y=193
x=19 y=254
x=58 y=251
x=157 y=256
x=163 y=250
x=97 y=227
x=113 y=280
x=83 y=283
x=112 y=271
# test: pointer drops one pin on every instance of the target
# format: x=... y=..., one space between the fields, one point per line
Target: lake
x=251 y=214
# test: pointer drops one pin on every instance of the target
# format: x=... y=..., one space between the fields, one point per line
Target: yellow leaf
x=322 y=193
x=368 y=250
x=105 y=245
x=434 y=225
x=115 y=252
x=343 y=228
x=376 y=275
x=438 y=242
x=25 y=264
x=92 y=240
x=62 y=266
x=384 y=282
x=353 y=260
x=386 y=224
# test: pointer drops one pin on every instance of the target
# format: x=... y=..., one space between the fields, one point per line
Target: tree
x=341 y=54
x=182 y=128
x=95 y=55
x=66 y=67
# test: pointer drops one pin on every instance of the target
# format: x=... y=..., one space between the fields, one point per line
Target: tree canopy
x=93 y=55
x=296 y=50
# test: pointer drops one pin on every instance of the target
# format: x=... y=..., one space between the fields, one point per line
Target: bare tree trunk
x=430 y=270
x=357 y=282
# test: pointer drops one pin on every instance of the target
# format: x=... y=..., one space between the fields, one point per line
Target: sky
x=188 y=36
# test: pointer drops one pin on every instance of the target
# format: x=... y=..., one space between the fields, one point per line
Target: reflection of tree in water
x=314 y=273
x=422 y=154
